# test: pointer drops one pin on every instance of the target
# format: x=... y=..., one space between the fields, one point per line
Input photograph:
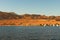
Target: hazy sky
x=47 y=7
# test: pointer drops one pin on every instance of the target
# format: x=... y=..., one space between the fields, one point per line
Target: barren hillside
x=11 y=18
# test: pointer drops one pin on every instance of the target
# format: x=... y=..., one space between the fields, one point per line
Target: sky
x=43 y=7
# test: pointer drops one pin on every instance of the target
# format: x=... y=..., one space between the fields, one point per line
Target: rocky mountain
x=12 y=15
x=8 y=15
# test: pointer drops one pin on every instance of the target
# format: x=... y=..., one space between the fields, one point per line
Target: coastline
x=11 y=18
x=31 y=22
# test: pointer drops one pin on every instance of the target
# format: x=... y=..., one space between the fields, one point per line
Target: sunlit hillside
x=11 y=18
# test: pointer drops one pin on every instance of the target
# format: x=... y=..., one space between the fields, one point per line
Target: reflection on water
x=29 y=33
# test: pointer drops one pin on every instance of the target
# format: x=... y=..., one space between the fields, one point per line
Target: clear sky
x=46 y=7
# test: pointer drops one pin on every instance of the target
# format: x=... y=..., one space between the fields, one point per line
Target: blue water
x=29 y=33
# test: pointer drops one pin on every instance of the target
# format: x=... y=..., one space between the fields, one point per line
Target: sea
x=29 y=33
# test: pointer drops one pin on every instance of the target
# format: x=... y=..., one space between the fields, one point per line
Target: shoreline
x=26 y=26
x=11 y=18
x=31 y=22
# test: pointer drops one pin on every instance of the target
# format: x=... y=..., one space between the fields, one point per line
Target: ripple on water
x=29 y=33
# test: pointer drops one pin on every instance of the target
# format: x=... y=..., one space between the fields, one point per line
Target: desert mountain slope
x=12 y=15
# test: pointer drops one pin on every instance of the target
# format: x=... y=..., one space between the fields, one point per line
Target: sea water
x=29 y=33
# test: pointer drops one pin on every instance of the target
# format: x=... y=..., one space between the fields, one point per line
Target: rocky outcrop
x=11 y=18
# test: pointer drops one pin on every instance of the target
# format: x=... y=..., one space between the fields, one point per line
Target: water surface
x=29 y=33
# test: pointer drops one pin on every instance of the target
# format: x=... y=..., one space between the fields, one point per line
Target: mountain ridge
x=11 y=18
x=12 y=15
